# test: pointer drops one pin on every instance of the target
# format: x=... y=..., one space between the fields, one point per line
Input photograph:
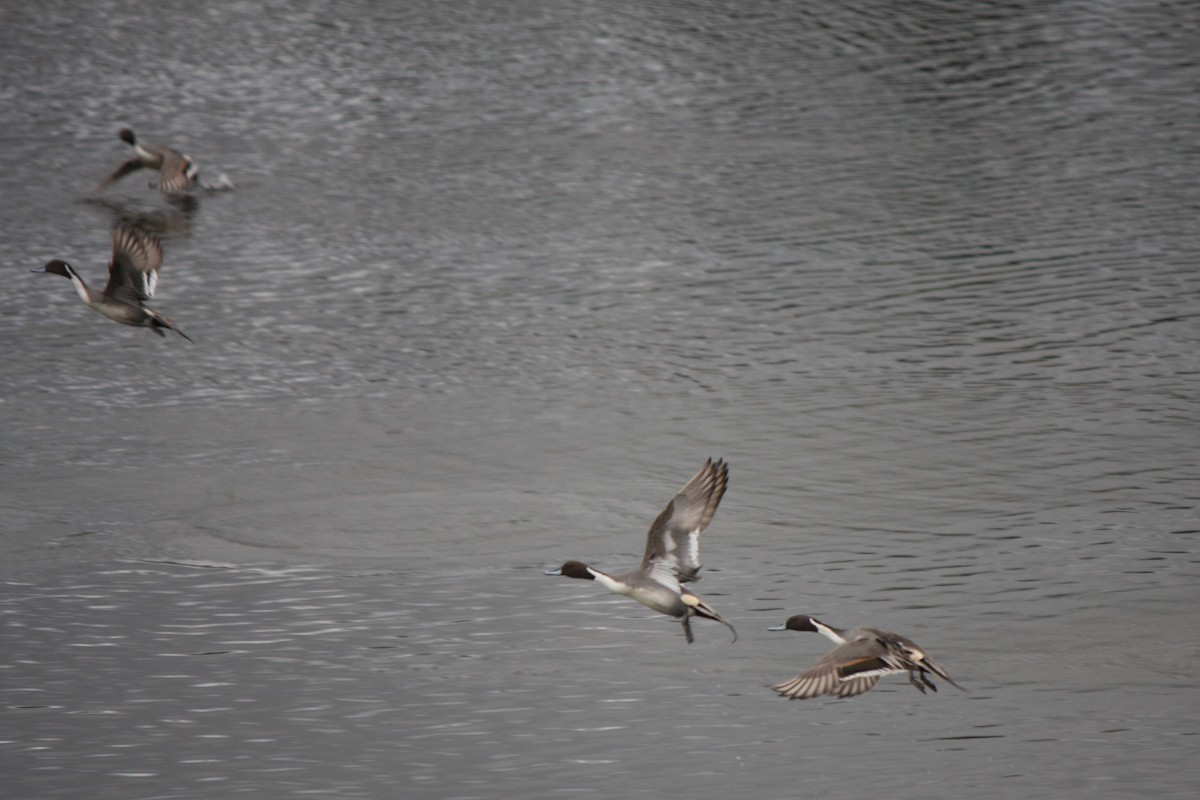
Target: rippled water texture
x=494 y=280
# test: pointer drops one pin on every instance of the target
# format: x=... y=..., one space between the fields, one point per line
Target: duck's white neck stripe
x=609 y=582
x=77 y=282
x=828 y=632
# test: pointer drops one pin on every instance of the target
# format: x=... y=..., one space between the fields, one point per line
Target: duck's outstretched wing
x=133 y=268
x=845 y=671
x=821 y=681
x=126 y=167
x=673 y=541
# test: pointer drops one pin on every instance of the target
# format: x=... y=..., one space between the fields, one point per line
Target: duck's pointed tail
x=158 y=321
x=699 y=608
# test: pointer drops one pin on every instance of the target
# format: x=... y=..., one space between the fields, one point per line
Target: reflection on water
x=490 y=278
x=172 y=221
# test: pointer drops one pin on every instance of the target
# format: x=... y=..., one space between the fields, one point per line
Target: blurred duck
x=132 y=278
x=862 y=657
x=177 y=172
x=672 y=555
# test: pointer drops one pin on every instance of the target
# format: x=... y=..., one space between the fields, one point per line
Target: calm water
x=494 y=280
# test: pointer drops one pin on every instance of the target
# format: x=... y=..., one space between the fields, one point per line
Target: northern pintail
x=132 y=278
x=672 y=553
x=862 y=657
x=178 y=172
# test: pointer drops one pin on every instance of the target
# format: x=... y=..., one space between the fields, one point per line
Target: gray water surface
x=493 y=282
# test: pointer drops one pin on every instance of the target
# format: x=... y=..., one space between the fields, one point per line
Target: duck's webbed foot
x=912 y=678
x=687 y=628
x=925 y=680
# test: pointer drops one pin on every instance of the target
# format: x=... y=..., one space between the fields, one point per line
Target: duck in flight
x=132 y=278
x=861 y=658
x=177 y=172
x=672 y=555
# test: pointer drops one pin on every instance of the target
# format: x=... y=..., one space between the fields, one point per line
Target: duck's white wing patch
x=149 y=283
x=687 y=548
x=874 y=670
x=856 y=686
x=662 y=571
